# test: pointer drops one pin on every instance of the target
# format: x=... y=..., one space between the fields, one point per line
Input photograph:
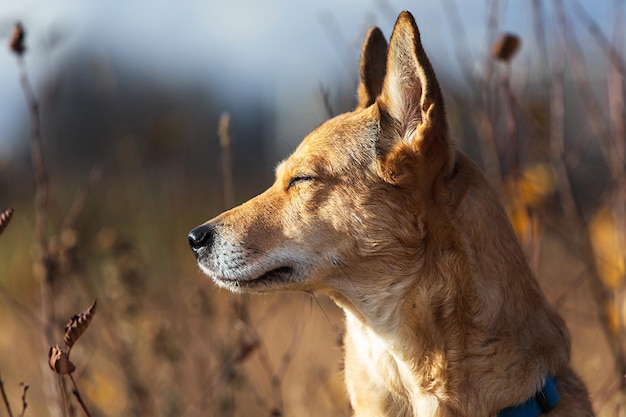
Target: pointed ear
x=372 y=69
x=411 y=102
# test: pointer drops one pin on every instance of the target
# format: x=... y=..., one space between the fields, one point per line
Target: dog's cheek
x=296 y=214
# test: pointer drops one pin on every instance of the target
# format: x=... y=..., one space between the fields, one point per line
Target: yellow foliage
x=526 y=193
x=612 y=317
x=105 y=392
x=519 y=217
x=536 y=184
x=607 y=239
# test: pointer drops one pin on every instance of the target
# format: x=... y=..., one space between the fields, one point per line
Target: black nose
x=200 y=237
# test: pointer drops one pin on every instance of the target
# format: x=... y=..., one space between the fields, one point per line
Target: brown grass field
x=165 y=342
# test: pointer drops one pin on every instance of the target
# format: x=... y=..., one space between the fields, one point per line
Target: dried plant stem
x=606 y=392
x=511 y=123
x=611 y=50
x=601 y=294
x=461 y=46
x=41 y=203
x=134 y=385
x=325 y=94
x=479 y=92
x=617 y=116
x=495 y=166
x=78 y=397
x=576 y=62
x=530 y=239
x=4 y=398
x=5 y=218
x=296 y=338
x=510 y=107
x=24 y=403
x=540 y=36
x=226 y=159
x=78 y=204
x=277 y=374
x=241 y=304
x=43 y=265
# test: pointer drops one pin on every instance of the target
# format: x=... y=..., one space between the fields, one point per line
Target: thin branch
x=296 y=338
x=487 y=91
x=504 y=49
x=4 y=398
x=325 y=94
x=387 y=8
x=459 y=34
x=43 y=264
x=540 y=35
x=572 y=288
x=264 y=358
x=617 y=125
x=479 y=86
x=557 y=136
x=607 y=391
x=226 y=159
x=24 y=403
x=333 y=31
x=225 y=372
x=602 y=296
x=78 y=397
x=339 y=332
x=78 y=204
x=576 y=61
x=594 y=29
x=66 y=403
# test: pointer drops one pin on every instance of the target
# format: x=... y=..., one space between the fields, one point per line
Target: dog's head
x=350 y=204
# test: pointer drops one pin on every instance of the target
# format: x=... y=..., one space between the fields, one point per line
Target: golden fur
x=379 y=210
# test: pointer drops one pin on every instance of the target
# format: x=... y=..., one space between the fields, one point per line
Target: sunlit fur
x=379 y=210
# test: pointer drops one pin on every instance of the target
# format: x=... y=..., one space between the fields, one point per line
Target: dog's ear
x=372 y=68
x=413 y=118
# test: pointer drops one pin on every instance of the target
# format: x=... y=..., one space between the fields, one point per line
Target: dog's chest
x=378 y=379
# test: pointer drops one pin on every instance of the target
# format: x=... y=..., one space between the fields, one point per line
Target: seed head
x=77 y=325
x=5 y=218
x=59 y=361
x=17 y=39
x=506 y=47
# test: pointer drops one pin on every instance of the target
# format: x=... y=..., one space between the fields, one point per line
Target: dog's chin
x=277 y=278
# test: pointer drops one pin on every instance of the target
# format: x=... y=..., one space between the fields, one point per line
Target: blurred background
x=130 y=97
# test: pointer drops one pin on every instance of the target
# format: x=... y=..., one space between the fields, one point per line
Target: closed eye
x=299 y=178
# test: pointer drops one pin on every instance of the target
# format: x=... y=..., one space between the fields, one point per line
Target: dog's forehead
x=349 y=136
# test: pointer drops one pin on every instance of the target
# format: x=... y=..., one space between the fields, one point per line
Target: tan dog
x=377 y=209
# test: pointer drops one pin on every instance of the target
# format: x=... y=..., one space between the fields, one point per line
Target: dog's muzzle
x=201 y=237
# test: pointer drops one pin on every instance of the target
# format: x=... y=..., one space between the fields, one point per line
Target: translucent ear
x=372 y=68
x=411 y=93
x=413 y=114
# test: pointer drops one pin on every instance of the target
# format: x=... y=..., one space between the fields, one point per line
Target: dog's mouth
x=271 y=278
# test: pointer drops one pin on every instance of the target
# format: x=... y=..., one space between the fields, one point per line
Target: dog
x=379 y=210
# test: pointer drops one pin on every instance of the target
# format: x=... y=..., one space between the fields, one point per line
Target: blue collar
x=542 y=402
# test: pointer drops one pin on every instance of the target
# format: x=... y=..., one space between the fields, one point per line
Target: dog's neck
x=385 y=361
x=429 y=360
x=384 y=332
x=427 y=332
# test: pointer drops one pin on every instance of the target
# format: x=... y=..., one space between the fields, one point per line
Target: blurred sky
x=246 y=48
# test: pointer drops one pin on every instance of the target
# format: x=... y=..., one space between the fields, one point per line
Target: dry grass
x=166 y=343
